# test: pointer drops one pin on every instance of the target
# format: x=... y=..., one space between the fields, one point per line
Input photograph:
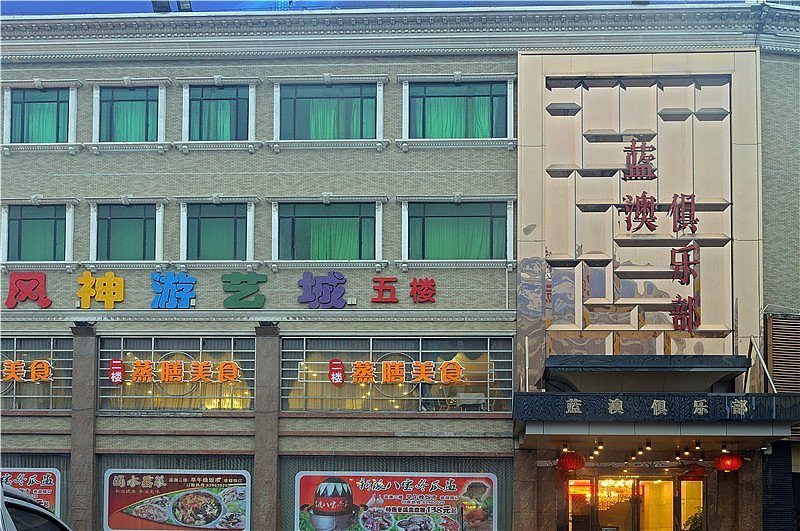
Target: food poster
x=393 y=501
x=44 y=484
x=176 y=499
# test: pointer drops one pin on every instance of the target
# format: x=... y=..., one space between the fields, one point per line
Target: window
x=40 y=116
x=193 y=374
x=36 y=233
x=216 y=232
x=27 y=518
x=457 y=231
x=338 y=231
x=484 y=367
x=328 y=112
x=465 y=110
x=218 y=113
x=42 y=369
x=129 y=114
x=126 y=232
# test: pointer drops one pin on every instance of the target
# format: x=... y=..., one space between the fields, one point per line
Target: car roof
x=11 y=492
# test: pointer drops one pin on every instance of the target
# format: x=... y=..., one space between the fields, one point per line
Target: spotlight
x=625 y=470
x=686 y=451
x=677 y=455
x=591 y=457
x=648 y=446
x=640 y=451
x=596 y=451
x=600 y=445
x=697 y=445
x=633 y=456
x=565 y=448
x=702 y=457
x=724 y=449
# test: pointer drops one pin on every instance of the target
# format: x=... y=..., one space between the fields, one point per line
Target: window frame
x=69 y=229
x=62 y=371
x=70 y=144
x=249 y=143
x=132 y=83
x=507 y=262
x=508 y=141
x=378 y=263
x=379 y=142
x=249 y=202
x=158 y=202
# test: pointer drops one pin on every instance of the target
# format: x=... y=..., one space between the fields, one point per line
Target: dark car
x=20 y=512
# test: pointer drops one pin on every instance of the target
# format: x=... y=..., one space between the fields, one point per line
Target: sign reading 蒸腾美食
x=44 y=484
x=395 y=500
x=145 y=499
x=391 y=372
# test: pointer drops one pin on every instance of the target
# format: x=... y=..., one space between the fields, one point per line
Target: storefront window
x=36 y=373
x=177 y=373
x=396 y=374
x=692 y=505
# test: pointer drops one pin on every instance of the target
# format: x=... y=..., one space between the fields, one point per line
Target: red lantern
x=571 y=461
x=728 y=462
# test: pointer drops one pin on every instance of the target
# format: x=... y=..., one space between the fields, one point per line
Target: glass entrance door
x=656 y=506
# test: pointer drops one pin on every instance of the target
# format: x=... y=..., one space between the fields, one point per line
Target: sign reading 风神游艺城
x=395 y=500
x=161 y=500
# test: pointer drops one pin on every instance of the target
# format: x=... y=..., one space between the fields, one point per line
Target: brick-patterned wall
x=780 y=131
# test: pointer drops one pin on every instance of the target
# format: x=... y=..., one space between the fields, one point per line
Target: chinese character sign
x=22 y=371
x=172 y=291
x=393 y=372
x=176 y=371
x=27 y=286
x=639 y=161
x=176 y=499
x=116 y=371
x=44 y=484
x=108 y=289
x=322 y=292
x=395 y=500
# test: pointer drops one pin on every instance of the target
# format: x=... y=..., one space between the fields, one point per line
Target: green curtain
x=445 y=117
x=130 y=119
x=456 y=239
x=37 y=240
x=480 y=126
x=216 y=239
x=216 y=122
x=332 y=119
x=334 y=239
x=41 y=122
x=126 y=240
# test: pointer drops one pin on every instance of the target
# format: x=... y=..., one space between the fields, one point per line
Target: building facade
x=313 y=269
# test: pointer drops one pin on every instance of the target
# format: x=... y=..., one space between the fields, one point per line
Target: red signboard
x=387 y=501
x=176 y=499
x=116 y=371
x=44 y=484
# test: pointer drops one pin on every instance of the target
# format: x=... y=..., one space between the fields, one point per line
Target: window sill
x=405 y=143
x=155 y=265
x=378 y=145
x=69 y=267
x=377 y=265
x=249 y=265
x=72 y=149
x=236 y=145
x=96 y=147
x=404 y=265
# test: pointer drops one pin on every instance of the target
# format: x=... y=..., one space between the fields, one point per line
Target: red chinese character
x=683 y=258
x=643 y=210
x=639 y=162
x=685 y=314
x=683 y=213
x=23 y=286
x=385 y=288
x=336 y=371
x=423 y=289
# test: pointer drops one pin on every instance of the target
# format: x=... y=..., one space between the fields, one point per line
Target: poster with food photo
x=163 y=500
x=394 y=501
x=44 y=484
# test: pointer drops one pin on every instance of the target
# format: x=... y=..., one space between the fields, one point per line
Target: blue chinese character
x=173 y=291
x=326 y=291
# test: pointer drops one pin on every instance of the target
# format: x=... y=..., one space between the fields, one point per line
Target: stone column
x=266 y=509
x=750 y=511
x=547 y=493
x=524 y=512
x=722 y=505
x=83 y=484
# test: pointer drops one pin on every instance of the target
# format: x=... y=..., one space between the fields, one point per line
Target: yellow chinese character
x=172 y=371
x=201 y=371
x=659 y=407
x=615 y=406
x=451 y=372
x=363 y=372
x=14 y=370
x=142 y=371
x=574 y=406
x=422 y=372
x=86 y=291
x=41 y=371
x=228 y=371
x=110 y=289
x=393 y=372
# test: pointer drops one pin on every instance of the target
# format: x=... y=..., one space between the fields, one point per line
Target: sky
x=76 y=7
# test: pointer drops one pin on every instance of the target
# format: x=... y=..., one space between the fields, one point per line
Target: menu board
x=139 y=499
x=44 y=484
x=394 y=501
